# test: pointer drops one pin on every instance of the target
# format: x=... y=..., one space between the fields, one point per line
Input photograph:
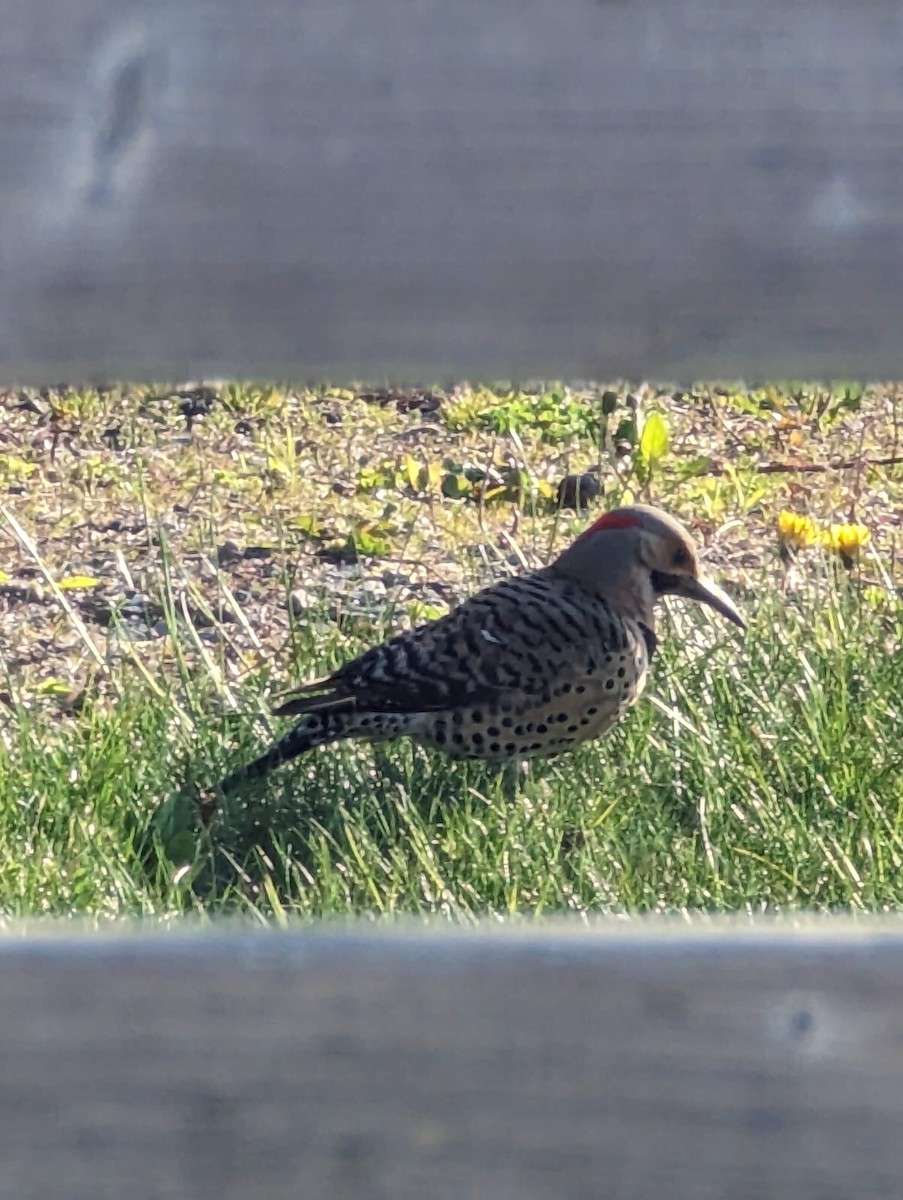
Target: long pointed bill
x=711 y=594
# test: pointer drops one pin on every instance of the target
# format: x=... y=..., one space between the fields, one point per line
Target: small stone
x=228 y=552
x=372 y=593
x=576 y=491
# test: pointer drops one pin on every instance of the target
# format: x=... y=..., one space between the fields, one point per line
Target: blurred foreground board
x=530 y=1064
x=439 y=189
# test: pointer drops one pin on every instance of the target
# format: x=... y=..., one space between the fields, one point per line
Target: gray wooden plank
x=532 y=1065
x=435 y=188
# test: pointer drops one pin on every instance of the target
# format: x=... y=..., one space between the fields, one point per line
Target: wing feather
x=515 y=636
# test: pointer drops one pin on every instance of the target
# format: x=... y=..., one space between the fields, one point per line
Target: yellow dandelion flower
x=846 y=540
x=796 y=531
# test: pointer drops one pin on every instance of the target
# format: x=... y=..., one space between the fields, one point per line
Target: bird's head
x=632 y=556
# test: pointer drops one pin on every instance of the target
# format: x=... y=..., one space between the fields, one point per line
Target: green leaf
x=420 y=613
x=413 y=471
x=654 y=439
x=369 y=540
x=371 y=478
x=306 y=523
x=435 y=471
x=71 y=582
x=456 y=485
x=54 y=687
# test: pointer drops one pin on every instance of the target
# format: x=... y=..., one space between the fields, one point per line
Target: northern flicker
x=527 y=668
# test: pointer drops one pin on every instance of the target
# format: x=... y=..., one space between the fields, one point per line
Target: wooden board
x=531 y=1065
x=431 y=189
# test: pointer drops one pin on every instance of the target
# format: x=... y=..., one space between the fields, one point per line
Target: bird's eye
x=681 y=557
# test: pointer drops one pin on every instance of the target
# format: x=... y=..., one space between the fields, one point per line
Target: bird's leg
x=514 y=775
x=385 y=771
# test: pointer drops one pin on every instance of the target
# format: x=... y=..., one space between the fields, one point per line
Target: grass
x=768 y=772
x=763 y=773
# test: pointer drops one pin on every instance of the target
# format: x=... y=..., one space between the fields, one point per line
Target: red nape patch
x=613 y=520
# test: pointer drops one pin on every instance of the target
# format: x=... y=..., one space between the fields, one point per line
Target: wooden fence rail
x=436 y=188
x=532 y=1065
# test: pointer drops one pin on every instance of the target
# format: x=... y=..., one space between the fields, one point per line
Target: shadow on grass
x=293 y=831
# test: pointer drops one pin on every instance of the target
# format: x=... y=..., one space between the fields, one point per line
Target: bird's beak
x=706 y=592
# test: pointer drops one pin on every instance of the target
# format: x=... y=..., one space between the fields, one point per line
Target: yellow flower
x=846 y=540
x=795 y=531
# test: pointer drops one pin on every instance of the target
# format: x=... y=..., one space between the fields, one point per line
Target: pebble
x=576 y=491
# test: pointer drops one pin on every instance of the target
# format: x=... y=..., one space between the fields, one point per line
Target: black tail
x=314 y=730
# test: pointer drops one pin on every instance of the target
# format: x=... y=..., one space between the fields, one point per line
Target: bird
x=530 y=667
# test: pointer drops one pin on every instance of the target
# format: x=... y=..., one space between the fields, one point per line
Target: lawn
x=172 y=557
